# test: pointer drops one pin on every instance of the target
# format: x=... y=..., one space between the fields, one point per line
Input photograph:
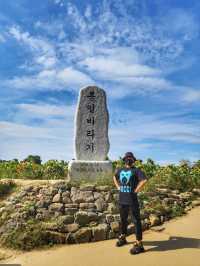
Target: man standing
x=129 y=180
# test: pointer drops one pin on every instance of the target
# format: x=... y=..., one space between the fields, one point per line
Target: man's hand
x=140 y=185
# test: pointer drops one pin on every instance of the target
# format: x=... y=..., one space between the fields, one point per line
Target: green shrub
x=54 y=169
x=29 y=170
x=6 y=187
x=8 y=169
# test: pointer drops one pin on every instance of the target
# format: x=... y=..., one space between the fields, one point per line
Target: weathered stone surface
x=109 y=218
x=154 y=220
x=108 y=196
x=97 y=195
x=93 y=216
x=66 y=197
x=56 y=207
x=91 y=125
x=112 y=234
x=196 y=203
x=82 y=196
x=117 y=217
x=89 y=170
x=85 y=205
x=101 y=205
x=57 y=198
x=185 y=195
x=113 y=208
x=82 y=218
x=70 y=211
x=196 y=191
x=168 y=200
x=43 y=203
x=71 y=205
x=53 y=226
x=115 y=226
x=72 y=227
x=83 y=235
x=100 y=232
x=56 y=237
x=87 y=187
x=65 y=219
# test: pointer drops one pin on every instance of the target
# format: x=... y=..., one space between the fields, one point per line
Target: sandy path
x=177 y=245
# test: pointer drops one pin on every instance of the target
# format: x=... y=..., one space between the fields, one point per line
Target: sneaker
x=137 y=248
x=121 y=240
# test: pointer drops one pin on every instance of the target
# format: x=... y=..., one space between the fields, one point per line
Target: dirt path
x=177 y=245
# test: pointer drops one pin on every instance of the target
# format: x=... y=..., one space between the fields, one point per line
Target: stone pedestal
x=90 y=170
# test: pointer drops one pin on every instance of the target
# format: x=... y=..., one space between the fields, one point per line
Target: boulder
x=71 y=205
x=100 y=232
x=100 y=204
x=83 y=196
x=115 y=226
x=196 y=191
x=83 y=235
x=55 y=237
x=87 y=187
x=56 y=207
x=82 y=218
x=97 y=195
x=109 y=218
x=87 y=205
x=65 y=219
x=113 y=208
x=72 y=227
x=108 y=196
x=70 y=211
x=57 y=198
x=196 y=203
x=66 y=197
x=154 y=219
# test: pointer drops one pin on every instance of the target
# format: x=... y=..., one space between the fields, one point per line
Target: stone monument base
x=80 y=169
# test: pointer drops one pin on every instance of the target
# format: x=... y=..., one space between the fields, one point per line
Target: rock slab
x=91 y=125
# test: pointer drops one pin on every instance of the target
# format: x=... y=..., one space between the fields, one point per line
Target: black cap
x=129 y=154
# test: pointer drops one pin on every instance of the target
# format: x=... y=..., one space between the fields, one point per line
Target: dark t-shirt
x=128 y=179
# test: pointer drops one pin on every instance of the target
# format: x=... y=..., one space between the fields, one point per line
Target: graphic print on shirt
x=124 y=181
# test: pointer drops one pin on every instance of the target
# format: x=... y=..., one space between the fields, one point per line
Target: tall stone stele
x=91 y=142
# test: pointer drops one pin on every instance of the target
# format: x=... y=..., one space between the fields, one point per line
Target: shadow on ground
x=173 y=243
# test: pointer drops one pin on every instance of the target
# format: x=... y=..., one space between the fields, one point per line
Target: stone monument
x=91 y=142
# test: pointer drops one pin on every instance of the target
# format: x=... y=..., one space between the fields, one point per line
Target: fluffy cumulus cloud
x=138 y=53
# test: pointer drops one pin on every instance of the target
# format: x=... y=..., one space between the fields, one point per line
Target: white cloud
x=43 y=52
x=62 y=79
x=109 y=68
x=140 y=126
x=191 y=95
x=10 y=129
x=44 y=110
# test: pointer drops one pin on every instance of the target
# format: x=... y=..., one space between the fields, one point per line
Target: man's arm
x=116 y=178
x=142 y=180
x=140 y=185
x=116 y=182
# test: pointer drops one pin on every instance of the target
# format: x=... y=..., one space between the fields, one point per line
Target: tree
x=33 y=159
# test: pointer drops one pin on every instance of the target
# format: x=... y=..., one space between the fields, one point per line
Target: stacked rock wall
x=88 y=213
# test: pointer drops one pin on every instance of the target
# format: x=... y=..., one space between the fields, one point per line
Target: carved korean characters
x=91 y=125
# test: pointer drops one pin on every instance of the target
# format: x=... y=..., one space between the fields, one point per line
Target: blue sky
x=144 y=54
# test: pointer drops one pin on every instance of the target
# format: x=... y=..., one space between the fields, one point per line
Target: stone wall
x=88 y=213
